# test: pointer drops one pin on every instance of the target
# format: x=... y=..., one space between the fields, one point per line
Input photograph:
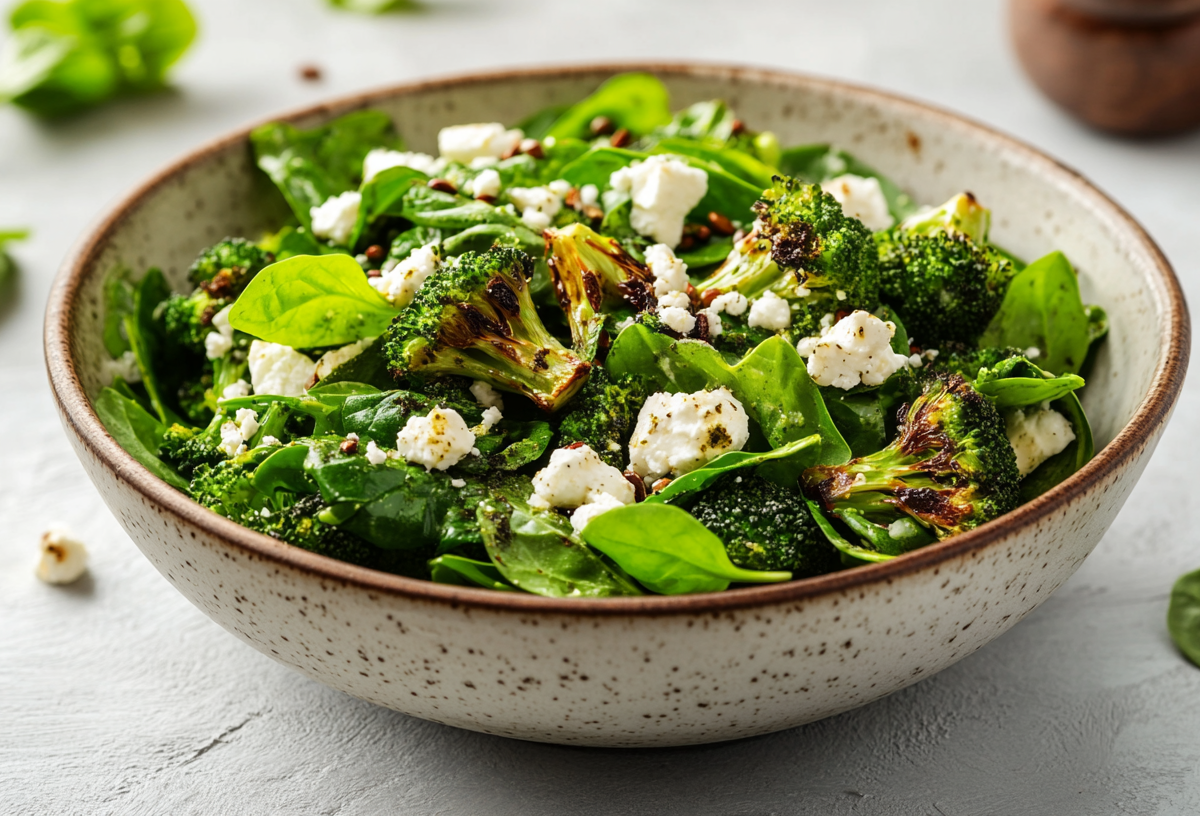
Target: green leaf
x=118 y=304
x=283 y=470
x=701 y=478
x=851 y=551
x=147 y=338
x=460 y=571
x=375 y=6
x=821 y=162
x=1183 y=616
x=1042 y=309
x=731 y=160
x=637 y=102
x=712 y=253
x=668 y=551
x=312 y=300
x=538 y=552
x=384 y=195
x=137 y=432
x=1077 y=454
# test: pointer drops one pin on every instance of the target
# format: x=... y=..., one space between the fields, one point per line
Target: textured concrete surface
x=116 y=696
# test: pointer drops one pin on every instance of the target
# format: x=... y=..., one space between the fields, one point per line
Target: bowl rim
x=1149 y=417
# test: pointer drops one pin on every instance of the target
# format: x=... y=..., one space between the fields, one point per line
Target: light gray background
x=117 y=696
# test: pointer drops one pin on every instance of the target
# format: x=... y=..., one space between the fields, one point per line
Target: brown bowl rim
x=81 y=419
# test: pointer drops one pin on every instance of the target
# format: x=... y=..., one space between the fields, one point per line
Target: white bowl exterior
x=679 y=678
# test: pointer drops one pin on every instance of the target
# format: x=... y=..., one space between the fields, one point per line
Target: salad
x=608 y=351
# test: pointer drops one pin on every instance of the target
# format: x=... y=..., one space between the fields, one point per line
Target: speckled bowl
x=654 y=670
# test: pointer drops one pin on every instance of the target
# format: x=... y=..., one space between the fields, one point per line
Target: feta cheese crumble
x=861 y=198
x=381 y=159
x=677 y=433
x=734 y=303
x=769 y=311
x=375 y=454
x=577 y=476
x=63 y=557
x=1037 y=434
x=715 y=328
x=458 y=482
x=400 y=283
x=490 y=417
x=589 y=195
x=279 y=370
x=232 y=443
x=219 y=341
x=271 y=440
x=337 y=217
x=484 y=140
x=330 y=361
x=1032 y=353
x=247 y=422
x=486 y=396
x=670 y=273
x=437 y=441
x=487 y=183
x=586 y=512
x=538 y=205
x=664 y=189
x=235 y=390
x=679 y=320
x=856 y=350
x=677 y=300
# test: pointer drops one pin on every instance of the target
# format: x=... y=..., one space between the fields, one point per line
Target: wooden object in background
x=1130 y=67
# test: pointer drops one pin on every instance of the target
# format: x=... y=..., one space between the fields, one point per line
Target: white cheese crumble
x=126 y=367
x=715 y=328
x=458 y=482
x=491 y=416
x=841 y=294
x=680 y=320
x=1032 y=353
x=375 y=454
x=670 y=273
x=247 y=422
x=769 y=311
x=483 y=140
x=278 y=369
x=486 y=396
x=219 y=341
x=855 y=350
x=401 y=282
x=677 y=300
x=560 y=187
x=677 y=433
x=337 y=217
x=664 y=189
x=589 y=194
x=734 y=303
x=271 y=440
x=436 y=441
x=381 y=159
x=1036 y=435
x=578 y=476
x=235 y=390
x=232 y=443
x=861 y=198
x=538 y=205
x=63 y=557
x=586 y=512
x=486 y=183
x=331 y=360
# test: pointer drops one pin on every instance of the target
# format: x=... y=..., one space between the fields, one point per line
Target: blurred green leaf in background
x=374 y=6
x=7 y=267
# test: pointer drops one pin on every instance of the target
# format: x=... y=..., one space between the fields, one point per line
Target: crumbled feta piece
x=279 y=370
x=64 y=558
x=1036 y=435
x=841 y=294
x=677 y=433
x=861 y=198
x=678 y=300
x=664 y=190
x=1033 y=352
x=715 y=329
x=769 y=311
x=271 y=440
x=236 y=390
x=125 y=367
x=680 y=320
x=914 y=361
x=930 y=354
x=486 y=396
x=437 y=441
x=219 y=341
x=535 y=220
x=381 y=159
x=463 y=143
x=400 y=283
x=247 y=422
x=538 y=205
x=232 y=443
x=331 y=360
x=856 y=350
x=827 y=321
x=560 y=187
x=491 y=416
x=337 y=217
x=352 y=436
x=734 y=303
x=577 y=476
x=486 y=183
x=586 y=512
x=483 y=162
x=375 y=454
x=670 y=273
x=458 y=482
x=589 y=194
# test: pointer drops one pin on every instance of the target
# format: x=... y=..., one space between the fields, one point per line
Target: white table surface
x=118 y=696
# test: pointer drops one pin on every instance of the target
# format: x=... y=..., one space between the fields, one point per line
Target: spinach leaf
x=537 y=124
x=460 y=571
x=284 y=470
x=1042 y=309
x=637 y=102
x=860 y=417
x=701 y=478
x=147 y=337
x=369 y=367
x=731 y=160
x=310 y=301
x=821 y=162
x=849 y=551
x=710 y=254
x=1077 y=454
x=310 y=166
x=384 y=195
x=137 y=432
x=668 y=551
x=538 y=552
x=1016 y=383
x=374 y=6
x=435 y=209
x=1183 y=616
x=7 y=267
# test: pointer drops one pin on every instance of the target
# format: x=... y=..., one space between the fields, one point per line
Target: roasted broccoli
x=224 y=269
x=967 y=362
x=188 y=319
x=476 y=319
x=764 y=526
x=950 y=467
x=940 y=275
x=186 y=449
x=602 y=415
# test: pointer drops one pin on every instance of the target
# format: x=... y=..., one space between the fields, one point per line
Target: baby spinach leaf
x=138 y=432
x=701 y=478
x=538 y=552
x=284 y=470
x=148 y=340
x=310 y=301
x=374 y=6
x=711 y=253
x=537 y=124
x=369 y=367
x=668 y=551
x=637 y=102
x=460 y=571
x=1077 y=454
x=860 y=418
x=1008 y=389
x=1042 y=309
x=1183 y=616
x=851 y=551
x=731 y=160
x=384 y=195
x=821 y=162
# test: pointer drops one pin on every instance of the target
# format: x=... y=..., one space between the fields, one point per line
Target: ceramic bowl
x=649 y=671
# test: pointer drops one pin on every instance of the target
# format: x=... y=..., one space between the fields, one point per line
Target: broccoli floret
x=224 y=269
x=476 y=318
x=950 y=467
x=592 y=275
x=765 y=526
x=603 y=414
x=806 y=250
x=188 y=319
x=940 y=275
x=738 y=338
x=186 y=449
x=967 y=362
x=225 y=488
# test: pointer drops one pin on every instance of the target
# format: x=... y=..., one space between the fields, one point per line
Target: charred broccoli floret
x=188 y=318
x=805 y=249
x=765 y=526
x=940 y=275
x=186 y=449
x=224 y=269
x=950 y=467
x=603 y=414
x=476 y=319
x=593 y=274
